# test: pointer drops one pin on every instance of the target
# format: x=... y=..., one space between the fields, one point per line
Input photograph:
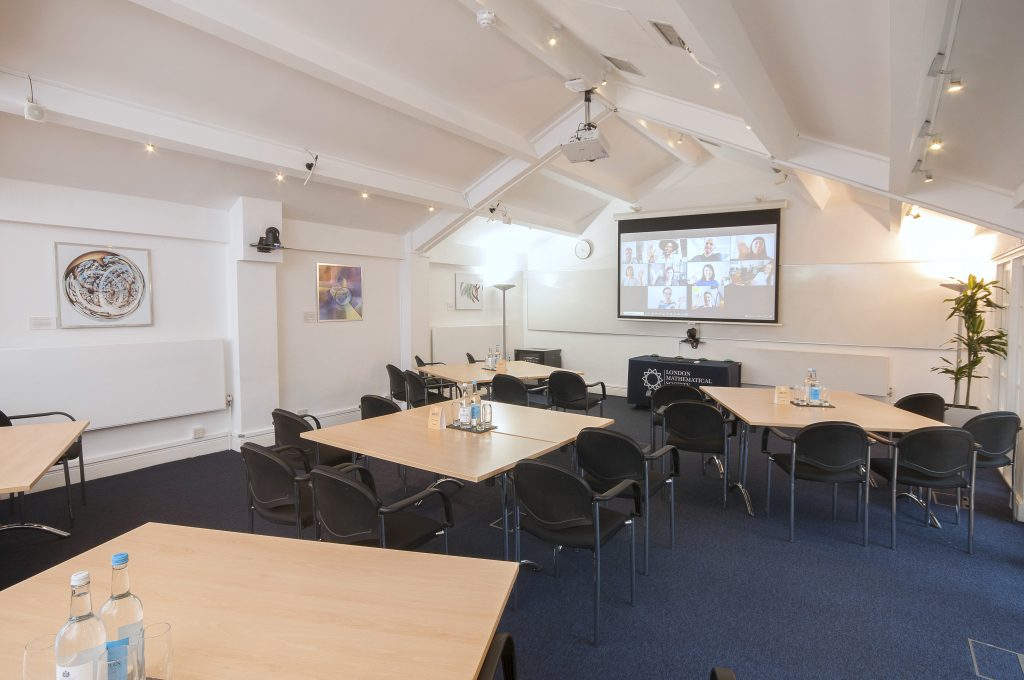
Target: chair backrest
x=666 y=394
x=271 y=479
x=287 y=428
x=609 y=457
x=553 y=496
x=833 y=446
x=419 y=362
x=346 y=508
x=4 y=420
x=469 y=358
x=372 y=406
x=509 y=389
x=936 y=451
x=415 y=389
x=927 y=404
x=995 y=432
x=566 y=386
x=396 y=380
x=695 y=425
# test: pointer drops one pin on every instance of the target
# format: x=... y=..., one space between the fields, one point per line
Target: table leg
x=740 y=484
x=22 y=524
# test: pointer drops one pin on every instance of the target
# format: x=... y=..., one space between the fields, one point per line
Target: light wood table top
x=536 y=423
x=28 y=451
x=245 y=606
x=755 y=406
x=405 y=439
x=460 y=373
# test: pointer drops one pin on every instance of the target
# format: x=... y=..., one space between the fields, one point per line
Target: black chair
x=699 y=427
x=288 y=428
x=927 y=404
x=719 y=673
x=418 y=391
x=568 y=391
x=607 y=458
x=559 y=508
x=665 y=395
x=509 y=389
x=932 y=458
x=996 y=435
x=348 y=510
x=502 y=651
x=433 y=382
x=832 y=452
x=469 y=358
x=373 y=406
x=275 y=491
x=396 y=382
x=74 y=452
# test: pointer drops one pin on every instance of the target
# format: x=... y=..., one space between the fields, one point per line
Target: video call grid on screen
x=720 y=266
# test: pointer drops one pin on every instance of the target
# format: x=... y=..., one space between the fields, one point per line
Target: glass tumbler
x=159 y=651
x=39 y=660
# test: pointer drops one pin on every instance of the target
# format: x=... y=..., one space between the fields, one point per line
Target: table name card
x=438 y=418
x=781 y=394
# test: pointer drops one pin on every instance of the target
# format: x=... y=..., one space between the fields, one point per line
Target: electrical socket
x=198 y=432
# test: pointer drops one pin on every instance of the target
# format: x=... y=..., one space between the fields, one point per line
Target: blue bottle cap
x=119 y=559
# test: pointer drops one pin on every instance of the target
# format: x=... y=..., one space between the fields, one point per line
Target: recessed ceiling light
x=671 y=143
x=935 y=144
x=364 y=195
x=149 y=148
x=955 y=85
x=928 y=176
x=279 y=176
x=748 y=127
x=430 y=209
x=552 y=41
x=643 y=123
x=717 y=85
x=604 y=82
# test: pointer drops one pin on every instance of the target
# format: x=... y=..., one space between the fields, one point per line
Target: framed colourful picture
x=339 y=292
x=468 y=291
x=103 y=286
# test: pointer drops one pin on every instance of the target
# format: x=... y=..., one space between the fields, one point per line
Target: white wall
x=845 y=232
x=443 y=312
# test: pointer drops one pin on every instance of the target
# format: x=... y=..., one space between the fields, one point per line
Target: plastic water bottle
x=80 y=645
x=122 y=618
x=474 y=407
x=813 y=387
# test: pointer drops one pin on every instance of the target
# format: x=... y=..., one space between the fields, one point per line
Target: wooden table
x=756 y=407
x=460 y=373
x=26 y=453
x=245 y=606
x=404 y=438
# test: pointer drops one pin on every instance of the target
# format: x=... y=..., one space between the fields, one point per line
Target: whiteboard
x=112 y=385
x=883 y=304
x=860 y=373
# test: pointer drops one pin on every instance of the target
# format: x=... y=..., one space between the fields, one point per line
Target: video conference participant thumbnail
x=666 y=297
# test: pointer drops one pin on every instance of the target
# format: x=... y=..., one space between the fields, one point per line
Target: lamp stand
x=504 y=288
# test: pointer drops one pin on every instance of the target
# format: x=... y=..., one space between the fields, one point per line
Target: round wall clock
x=584 y=248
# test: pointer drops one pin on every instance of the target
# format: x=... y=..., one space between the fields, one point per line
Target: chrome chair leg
x=835 y=500
x=632 y=562
x=554 y=558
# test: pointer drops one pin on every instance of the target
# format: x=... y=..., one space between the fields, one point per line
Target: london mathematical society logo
x=653 y=378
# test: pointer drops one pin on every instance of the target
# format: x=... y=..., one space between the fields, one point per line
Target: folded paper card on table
x=781 y=394
x=438 y=418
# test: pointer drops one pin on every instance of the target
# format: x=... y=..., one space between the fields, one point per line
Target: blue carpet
x=734 y=592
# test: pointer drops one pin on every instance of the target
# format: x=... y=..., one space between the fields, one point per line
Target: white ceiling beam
x=490 y=187
x=1018 y=197
x=721 y=29
x=680 y=145
x=916 y=34
x=240 y=24
x=99 y=113
x=526 y=24
x=663 y=179
x=605 y=188
x=971 y=203
x=896 y=211
x=814 y=188
x=525 y=217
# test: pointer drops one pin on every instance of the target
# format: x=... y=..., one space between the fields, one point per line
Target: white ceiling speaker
x=485 y=18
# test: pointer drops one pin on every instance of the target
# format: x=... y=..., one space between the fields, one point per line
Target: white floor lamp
x=504 y=288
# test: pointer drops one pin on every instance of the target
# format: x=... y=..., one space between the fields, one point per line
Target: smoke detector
x=485 y=18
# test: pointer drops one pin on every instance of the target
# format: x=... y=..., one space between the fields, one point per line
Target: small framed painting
x=103 y=286
x=339 y=292
x=468 y=291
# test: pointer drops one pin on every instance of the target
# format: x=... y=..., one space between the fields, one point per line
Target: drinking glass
x=487 y=414
x=825 y=393
x=799 y=394
x=39 y=661
x=159 y=651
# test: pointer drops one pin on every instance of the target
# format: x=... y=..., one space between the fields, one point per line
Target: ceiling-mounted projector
x=586 y=145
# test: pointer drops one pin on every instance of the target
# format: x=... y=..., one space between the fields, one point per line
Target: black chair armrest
x=778 y=433
x=434 y=363
x=879 y=439
x=537 y=390
x=604 y=392
x=618 y=490
x=446 y=503
x=304 y=477
x=291 y=450
x=364 y=475
x=42 y=415
x=316 y=421
x=663 y=451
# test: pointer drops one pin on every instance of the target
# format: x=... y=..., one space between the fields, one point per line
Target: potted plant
x=973 y=340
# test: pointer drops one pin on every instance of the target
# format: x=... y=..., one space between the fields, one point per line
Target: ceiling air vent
x=669 y=33
x=623 y=65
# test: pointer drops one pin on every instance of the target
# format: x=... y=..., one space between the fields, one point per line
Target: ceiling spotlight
x=279 y=176
x=717 y=85
x=364 y=195
x=552 y=41
x=936 y=143
x=926 y=129
x=485 y=18
x=928 y=176
x=149 y=148
x=955 y=85
x=643 y=123
x=748 y=127
x=604 y=82
x=912 y=213
x=311 y=166
x=430 y=208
